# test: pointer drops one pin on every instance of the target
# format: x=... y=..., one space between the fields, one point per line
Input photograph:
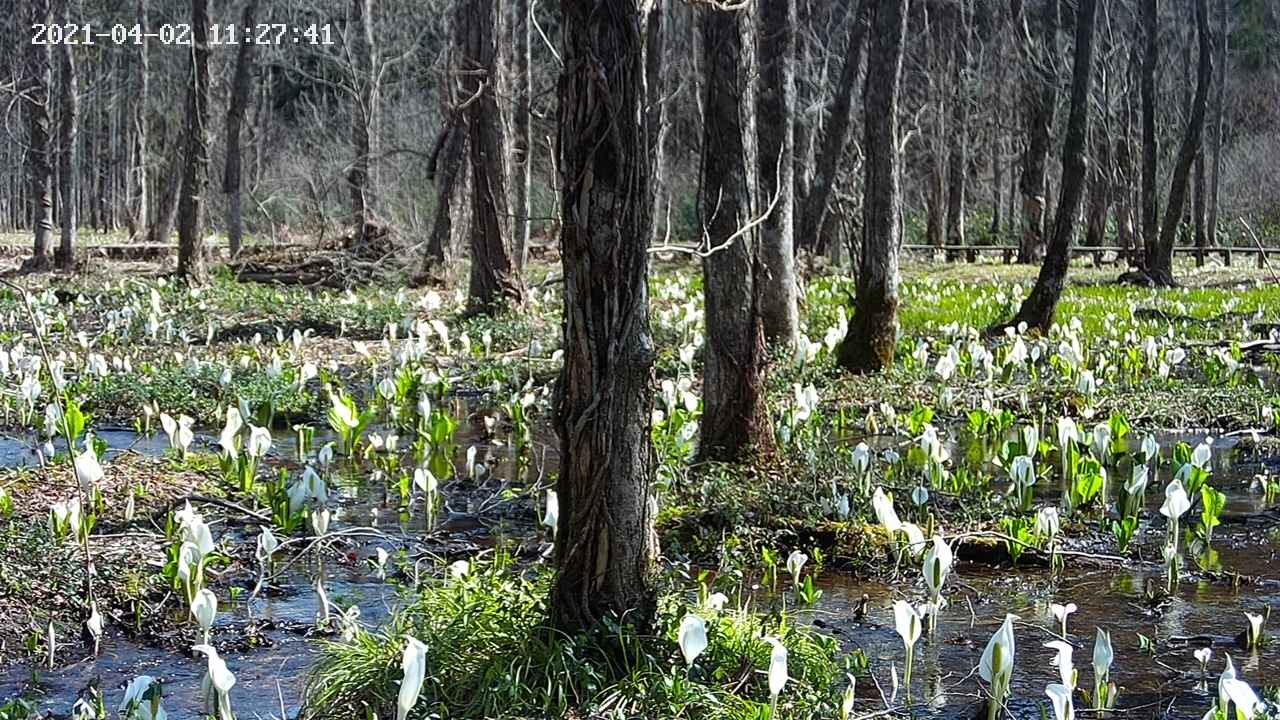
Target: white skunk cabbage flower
x=414 y=666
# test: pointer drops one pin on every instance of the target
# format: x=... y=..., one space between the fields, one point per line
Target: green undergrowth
x=491 y=654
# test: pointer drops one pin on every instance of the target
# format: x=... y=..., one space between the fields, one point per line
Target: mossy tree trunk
x=869 y=344
x=606 y=544
x=734 y=419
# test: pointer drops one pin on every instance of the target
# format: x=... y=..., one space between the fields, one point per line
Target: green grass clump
x=491 y=654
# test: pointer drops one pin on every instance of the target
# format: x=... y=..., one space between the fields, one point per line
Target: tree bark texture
x=1039 y=308
x=775 y=126
x=39 y=58
x=1215 y=135
x=494 y=276
x=835 y=136
x=1150 y=56
x=1160 y=264
x=1039 y=97
x=522 y=141
x=870 y=342
x=136 y=191
x=68 y=127
x=606 y=544
x=364 y=75
x=240 y=88
x=958 y=153
x=735 y=419
x=191 y=254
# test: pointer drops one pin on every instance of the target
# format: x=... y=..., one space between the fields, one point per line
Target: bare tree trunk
x=68 y=126
x=835 y=136
x=1041 y=305
x=40 y=152
x=494 y=276
x=1151 y=55
x=1099 y=190
x=1199 y=193
x=191 y=252
x=449 y=171
x=1160 y=265
x=1039 y=102
x=775 y=126
x=658 y=28
x=735 y=418
x=606 y=545
x=1215 y=136
x=449 y=167
x=167 y=210
x=958 y=154
x=240 y=89
x=522 y=143
x=363 y=116
x=869 y=344
x=137 y=199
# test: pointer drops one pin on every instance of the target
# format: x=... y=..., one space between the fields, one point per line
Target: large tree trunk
x=240 y=88
x=835 y=136
x=1215 y=135
x=191 y=252
x=40 y=153
x=1039 y=97
x=869 y=344
x=1160 y=263
x=494 y=276
x=1150 y=56
x=735 y=418
x=606 y=544
x=521 y=146
x=775 y=125
x=364 y=77
x=1039 y=308
x=136 y=189
x=68 y=126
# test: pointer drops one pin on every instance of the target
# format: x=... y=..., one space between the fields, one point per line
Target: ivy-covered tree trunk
x=606 y=541
x=869 y=344
x=734 y=419
x=1038 y=309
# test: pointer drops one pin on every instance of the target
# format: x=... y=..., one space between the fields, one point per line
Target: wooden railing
x=1099 y=253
